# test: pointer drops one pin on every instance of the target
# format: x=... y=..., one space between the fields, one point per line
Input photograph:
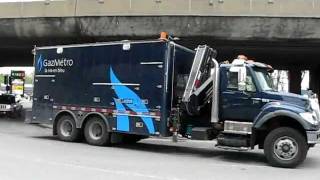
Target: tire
x=96 y=132
x=67 y=130
x=285 y=147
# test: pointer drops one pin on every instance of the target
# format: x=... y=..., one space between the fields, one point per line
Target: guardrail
x=70 y=8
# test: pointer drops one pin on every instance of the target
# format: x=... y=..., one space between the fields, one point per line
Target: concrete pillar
x=295 y=80
x=314 y=83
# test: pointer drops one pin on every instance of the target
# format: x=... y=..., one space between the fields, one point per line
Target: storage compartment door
x=42 y=108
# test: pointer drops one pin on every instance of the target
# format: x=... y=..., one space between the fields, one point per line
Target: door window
x=232 y=78
x=250 y=87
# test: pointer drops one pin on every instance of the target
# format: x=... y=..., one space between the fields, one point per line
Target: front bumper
x=6 y=110
x=313 y=137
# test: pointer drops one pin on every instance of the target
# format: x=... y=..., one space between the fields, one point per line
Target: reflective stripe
x=155 y=114
x=115 y=84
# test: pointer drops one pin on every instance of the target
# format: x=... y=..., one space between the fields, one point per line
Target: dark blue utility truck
x=129 y=90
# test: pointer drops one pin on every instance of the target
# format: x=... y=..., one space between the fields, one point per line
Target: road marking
x=112 y=171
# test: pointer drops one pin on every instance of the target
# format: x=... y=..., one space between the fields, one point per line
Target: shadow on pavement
x=228 y=156
x=55 y=138
x=4 y=117
x=231 y=156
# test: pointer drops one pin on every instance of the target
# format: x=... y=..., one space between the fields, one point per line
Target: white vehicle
x=9 y=105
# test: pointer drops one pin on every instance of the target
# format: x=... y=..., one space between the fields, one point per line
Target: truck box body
x=131 y=83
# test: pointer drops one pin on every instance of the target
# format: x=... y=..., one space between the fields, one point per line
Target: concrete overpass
x=284 y=33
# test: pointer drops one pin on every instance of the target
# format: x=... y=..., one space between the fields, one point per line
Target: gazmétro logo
x=40 y=63
x=53 y=65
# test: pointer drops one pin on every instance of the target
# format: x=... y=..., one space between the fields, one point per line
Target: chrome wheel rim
x=66 y=128
x=286 y=148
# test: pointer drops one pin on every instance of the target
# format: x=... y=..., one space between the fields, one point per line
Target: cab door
x=42 y=107
x=238 y=104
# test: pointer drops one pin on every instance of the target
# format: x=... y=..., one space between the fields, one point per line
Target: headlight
x=315 y=107
x=310 y=117
x=314 y=104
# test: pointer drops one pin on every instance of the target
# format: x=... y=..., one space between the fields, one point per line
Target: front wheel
x=285 y=147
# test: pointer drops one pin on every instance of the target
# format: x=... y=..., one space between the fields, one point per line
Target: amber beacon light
x=163 y=36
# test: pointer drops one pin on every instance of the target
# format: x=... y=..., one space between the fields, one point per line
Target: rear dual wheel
x=96 y=132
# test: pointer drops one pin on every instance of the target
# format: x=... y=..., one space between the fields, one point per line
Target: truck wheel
x=96 y=132
x=67 y=130
x=285 y=147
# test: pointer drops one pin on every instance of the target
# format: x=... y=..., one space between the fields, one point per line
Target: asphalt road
x=30 y=152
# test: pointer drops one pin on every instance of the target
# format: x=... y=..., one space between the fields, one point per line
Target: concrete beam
x=277 y=41
x=226 y=28
x=38 y=9
x=70 y=8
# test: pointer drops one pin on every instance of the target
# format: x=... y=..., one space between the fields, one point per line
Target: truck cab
x=244 y=101
x=247 y=111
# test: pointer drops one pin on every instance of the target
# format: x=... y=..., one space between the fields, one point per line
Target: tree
x=29 y=79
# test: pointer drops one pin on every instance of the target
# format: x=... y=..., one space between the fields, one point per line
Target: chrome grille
x=4 y=107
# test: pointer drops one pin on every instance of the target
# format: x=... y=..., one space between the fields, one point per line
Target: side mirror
x=242 y=74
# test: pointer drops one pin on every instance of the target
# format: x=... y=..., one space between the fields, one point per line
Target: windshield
x=264 y=79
